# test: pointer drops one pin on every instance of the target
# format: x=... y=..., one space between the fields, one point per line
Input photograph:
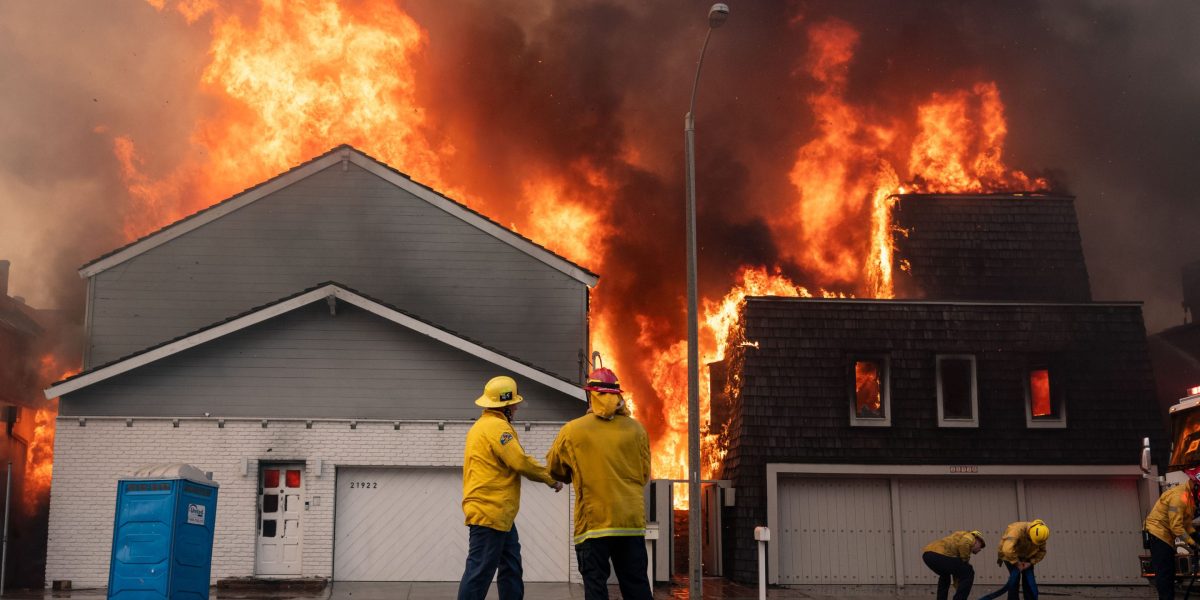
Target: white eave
x=317 y=294
x=352 y=155
x=1184 y=404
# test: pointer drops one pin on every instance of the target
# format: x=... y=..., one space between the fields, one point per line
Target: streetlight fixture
x=716 y=17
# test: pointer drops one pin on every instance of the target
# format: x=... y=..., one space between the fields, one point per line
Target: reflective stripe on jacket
x=956 y=545
x=493 y=464
x=1172 y=516
x=1015 y=545
x=606 y=456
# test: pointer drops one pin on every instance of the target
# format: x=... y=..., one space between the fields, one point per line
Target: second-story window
x=870 y=397
x=957 y=391
x=1045 y=404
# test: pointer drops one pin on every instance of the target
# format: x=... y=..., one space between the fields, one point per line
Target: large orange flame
x=846 y=176
x=668 y=375
x=837 y=173
x=39 y=456
x=295 y=78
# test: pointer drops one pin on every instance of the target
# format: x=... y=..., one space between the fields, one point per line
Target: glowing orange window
x=293 y=478
x=868 y=389
x=1040 y=403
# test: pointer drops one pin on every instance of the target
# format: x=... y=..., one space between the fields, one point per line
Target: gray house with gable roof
x=316 y=342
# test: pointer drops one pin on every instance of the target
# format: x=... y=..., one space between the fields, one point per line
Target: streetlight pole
x=716 y=17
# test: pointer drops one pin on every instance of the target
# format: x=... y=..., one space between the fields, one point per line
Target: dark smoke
x=1101 y=95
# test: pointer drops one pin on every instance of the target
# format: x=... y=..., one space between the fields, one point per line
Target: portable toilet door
x=163 y=534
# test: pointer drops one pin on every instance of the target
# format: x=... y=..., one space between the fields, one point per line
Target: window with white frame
x=957 y=391
x=1045 y=402
x=870 y=396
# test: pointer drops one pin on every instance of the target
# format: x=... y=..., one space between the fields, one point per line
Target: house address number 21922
x=364 y=485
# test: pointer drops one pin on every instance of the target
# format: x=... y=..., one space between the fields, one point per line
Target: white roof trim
x=371 y=165
x=305 y=299
x=1184 y=404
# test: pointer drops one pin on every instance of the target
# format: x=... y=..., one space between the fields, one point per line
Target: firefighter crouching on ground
x=1171 y=518
x=1022 y=546
x=950 y=558
x=493 y=464
x=606 y=455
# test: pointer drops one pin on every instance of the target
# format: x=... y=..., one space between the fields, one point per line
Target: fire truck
x=1184 y=418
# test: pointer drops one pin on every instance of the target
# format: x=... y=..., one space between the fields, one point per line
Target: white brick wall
x=88 y=461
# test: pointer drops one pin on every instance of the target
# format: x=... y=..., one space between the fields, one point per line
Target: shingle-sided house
x=860 y=430
x=316 y=342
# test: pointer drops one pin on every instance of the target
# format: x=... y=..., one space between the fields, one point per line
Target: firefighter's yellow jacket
x=605 y=454
x=1015 y=545
x=956 y=545
x=1172 y=516
x=493 y=464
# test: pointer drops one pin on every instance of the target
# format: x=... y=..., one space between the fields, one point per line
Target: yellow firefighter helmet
x=1038 y=532
x=499 y=392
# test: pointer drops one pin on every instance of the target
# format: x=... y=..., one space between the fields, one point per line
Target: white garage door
x=835 y=531
x=931 y=508
x=840 y=530
x=406 y=524
x=1095 y=530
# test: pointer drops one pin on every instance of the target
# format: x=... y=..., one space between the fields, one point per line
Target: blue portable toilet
x=163 y=534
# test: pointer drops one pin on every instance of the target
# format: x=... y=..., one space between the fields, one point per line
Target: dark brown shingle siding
x=993 y=248
x=792 y=405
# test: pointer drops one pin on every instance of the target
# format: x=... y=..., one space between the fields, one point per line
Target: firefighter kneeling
x=1171 y=518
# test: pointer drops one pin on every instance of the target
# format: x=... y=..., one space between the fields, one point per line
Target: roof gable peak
x=345 y=154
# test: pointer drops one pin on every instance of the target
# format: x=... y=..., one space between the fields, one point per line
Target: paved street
x=715 y=589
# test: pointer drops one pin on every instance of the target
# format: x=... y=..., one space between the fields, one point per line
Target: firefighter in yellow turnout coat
x=1170 y=518
x=605 y=454
x=1022 y=546
x=950 y=558
x=493 y=464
